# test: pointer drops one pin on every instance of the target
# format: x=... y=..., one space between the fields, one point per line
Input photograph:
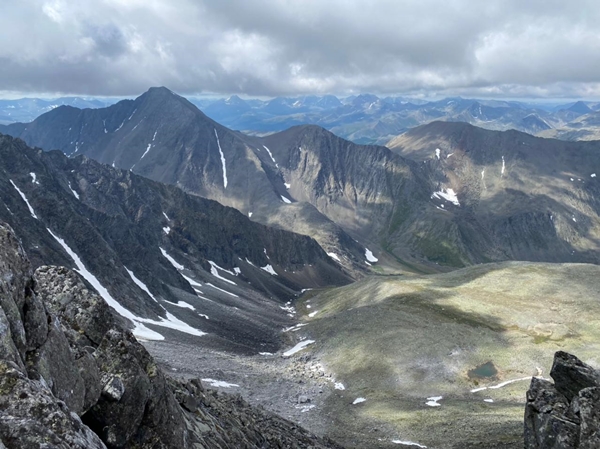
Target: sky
x=264 y=48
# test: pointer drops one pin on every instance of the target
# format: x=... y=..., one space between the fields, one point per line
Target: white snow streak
x=437 y=152
x=299 y=347
x=140 y=284
x=285 y=200
x=369 y=256
x=503 y=167
x=146 y=152
x=221 y=290
x=31 y=211
x=215 y=273
x=408 y=443
x=269 y=269
x=176 y=264
x=75 y=194
x=271 y=155
x=222 y=161
x=312 y=314
x=140 y=330
x=358 y=401
x=166 y=216
x=500 y=385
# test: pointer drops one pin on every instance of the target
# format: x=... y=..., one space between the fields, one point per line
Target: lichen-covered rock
x=31 y=417
x=71 y=377
x=566 y=414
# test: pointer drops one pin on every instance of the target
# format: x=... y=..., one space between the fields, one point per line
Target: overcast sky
x=491 y=48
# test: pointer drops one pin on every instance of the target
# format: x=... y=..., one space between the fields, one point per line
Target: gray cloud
x=501 y=48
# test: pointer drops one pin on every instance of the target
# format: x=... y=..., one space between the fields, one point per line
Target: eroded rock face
x=72 y=377
x=566 y=414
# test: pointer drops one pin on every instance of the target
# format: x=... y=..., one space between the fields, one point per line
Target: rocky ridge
x=565 y=414
x=72 y=377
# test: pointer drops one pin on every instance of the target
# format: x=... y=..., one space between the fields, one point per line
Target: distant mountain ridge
x=439 y=197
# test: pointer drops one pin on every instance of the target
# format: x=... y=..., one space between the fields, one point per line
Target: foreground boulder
x=566 y=414
x=71 y=376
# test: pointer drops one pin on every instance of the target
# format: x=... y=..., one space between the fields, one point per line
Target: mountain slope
x=514 y=196
x=175 y=265
x=72 y=377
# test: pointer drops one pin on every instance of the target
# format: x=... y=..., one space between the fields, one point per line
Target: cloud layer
x=500 y=48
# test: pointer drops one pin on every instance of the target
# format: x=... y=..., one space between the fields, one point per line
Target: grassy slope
x=397 y=341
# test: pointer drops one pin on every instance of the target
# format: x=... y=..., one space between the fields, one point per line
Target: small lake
x=484 y=371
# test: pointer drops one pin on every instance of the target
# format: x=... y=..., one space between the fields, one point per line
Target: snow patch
x=448 y=195
x=31 y=211
x=503 y=167
x=299 y=347
x=269 y=269
x=34 y=178
x=434 y=401
x=369 y=256
x=287 y=186
x=312 y=314
x=183 y=305
x=358 y=401
x=339 y=386
x=488 y=400
x=167 y=230
x=285 y=200
x=593 y=175
x=250 y=214
x=449 y=155
x=335 y=257
x=166 y=216
x=219 y=383
x=437 y=152
x=265 y=353
x=222 y=161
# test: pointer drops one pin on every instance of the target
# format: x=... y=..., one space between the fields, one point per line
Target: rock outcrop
x=565 y=414
x=72 y=377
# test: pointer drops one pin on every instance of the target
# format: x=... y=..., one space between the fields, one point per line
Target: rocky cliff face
x=565 y=414
x=72 y=377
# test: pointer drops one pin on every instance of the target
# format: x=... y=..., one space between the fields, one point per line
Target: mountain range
x=444 y=194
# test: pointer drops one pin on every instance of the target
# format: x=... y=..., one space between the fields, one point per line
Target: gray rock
x=572 y=375
x=589 y=409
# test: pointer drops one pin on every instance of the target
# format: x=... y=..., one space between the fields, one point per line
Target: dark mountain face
x=508 y=194
x=175 y=265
